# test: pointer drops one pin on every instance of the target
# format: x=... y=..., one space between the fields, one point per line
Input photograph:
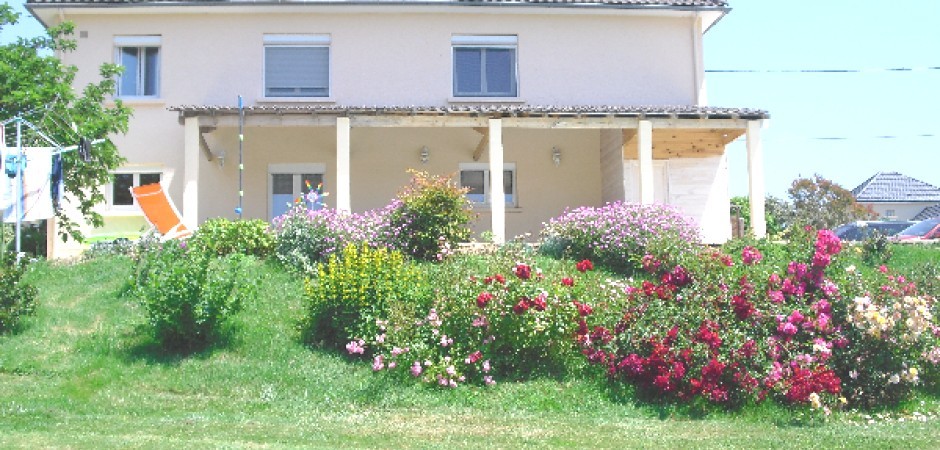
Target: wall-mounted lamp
x=221 y=157
x=425 y=154
x=556 y=155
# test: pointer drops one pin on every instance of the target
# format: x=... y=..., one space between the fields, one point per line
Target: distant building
x=896 y=196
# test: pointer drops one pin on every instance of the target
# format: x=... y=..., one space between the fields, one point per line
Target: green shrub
x=432 y=212
x=355 y=288
x=189 y=294
x=225 y=237
x=876 y=249
x=17 y=299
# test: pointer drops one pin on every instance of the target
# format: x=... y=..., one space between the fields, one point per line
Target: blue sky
x=843 y=126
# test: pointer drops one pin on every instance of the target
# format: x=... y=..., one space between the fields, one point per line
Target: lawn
x=83 y=373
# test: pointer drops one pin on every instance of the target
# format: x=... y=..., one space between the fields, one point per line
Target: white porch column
x=497 y=196
x=191 y=154
x=343 y=197
x=644 y=140
x=755 y=179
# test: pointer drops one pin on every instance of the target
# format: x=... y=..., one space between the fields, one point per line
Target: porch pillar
x=191 y=152
x=755 y=179
x=497 y=196
x=343 y=197
x=645 y=156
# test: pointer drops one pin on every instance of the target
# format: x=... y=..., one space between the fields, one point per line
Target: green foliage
x=433 y=213
x=17 y=298
x=777 y=213
x=876 y=249
x=223 y=237
x=820 y=203
x=37 y=86
x=188 y=294
x=353 y=289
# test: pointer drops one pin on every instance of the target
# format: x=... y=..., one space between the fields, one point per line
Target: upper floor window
x=485 y=66
x=140 y=58
x=296 y=65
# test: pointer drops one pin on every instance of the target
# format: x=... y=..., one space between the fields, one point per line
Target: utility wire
x=867 y=70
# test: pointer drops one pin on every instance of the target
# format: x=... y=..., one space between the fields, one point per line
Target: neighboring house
x=575 y=102
x=894 y=196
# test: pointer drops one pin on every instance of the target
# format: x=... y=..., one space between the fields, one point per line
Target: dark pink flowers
x=585 y=265
x=750 y=256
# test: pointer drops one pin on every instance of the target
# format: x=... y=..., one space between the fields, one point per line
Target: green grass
x=83 y=373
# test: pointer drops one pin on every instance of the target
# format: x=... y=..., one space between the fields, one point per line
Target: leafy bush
x=189 y=294
x=876 y=249
x=17 y=299
x=354 y=289
x=618 y=234
x=431 y=212
x=225 y=237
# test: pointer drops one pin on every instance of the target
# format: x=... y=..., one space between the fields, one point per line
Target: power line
x=865 y=70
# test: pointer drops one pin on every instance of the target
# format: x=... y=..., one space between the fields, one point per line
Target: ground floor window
x=290 y=183
x=476 y=178
x=120 y=192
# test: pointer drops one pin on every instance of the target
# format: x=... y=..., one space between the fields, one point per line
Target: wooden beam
x=418 y=121
x=565 y=123
x=484 y=140
x=202 y=141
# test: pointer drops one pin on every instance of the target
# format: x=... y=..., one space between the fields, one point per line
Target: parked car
x=863 y=229
x=922 y=231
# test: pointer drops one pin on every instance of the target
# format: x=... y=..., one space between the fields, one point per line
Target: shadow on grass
x=141 y=345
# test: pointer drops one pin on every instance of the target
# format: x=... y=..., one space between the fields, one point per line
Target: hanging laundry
x=36 y=199
x=55 y=181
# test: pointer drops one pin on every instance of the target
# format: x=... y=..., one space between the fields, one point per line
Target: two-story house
x=574 y=102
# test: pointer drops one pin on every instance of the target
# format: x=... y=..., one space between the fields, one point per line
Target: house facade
x=576 y=103
x=895 y=196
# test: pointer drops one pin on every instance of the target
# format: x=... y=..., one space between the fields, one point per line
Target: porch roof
x=678 y=131
x=488 y=111
x=626 y=3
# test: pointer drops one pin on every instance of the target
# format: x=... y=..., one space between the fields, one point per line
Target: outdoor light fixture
x=556 y=155
x=221 y=157
x=425 y=154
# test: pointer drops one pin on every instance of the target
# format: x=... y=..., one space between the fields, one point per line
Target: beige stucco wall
x=902 y=211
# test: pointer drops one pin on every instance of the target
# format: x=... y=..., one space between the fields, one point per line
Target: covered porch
x=551 y=157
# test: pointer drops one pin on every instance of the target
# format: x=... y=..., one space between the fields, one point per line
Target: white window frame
x=139 y=42
x=136 y=172
x=509 y=42
x=295 y=169
x=298 y=40
x=511 y=202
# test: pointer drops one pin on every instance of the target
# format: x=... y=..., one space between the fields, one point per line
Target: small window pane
x=508 y=187
x=121 y=189
x=131 y=61
x=500 y=72
x=149 y=178
x=151 y=68
x=474 y=180
x=310 y=181
x=468 y=78
x=282 y=184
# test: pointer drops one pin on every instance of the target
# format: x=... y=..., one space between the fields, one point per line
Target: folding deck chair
x=160 y=211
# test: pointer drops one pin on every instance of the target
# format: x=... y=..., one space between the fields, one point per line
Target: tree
x=37 y=86
x=777 y=213
x=821 y=203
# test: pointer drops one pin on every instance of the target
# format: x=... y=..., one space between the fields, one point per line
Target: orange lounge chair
x=160 y=211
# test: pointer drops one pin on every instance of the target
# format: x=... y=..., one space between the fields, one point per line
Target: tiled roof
x=494 y=111
x=928 y=213
x=895 y=187
x=618 y=3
